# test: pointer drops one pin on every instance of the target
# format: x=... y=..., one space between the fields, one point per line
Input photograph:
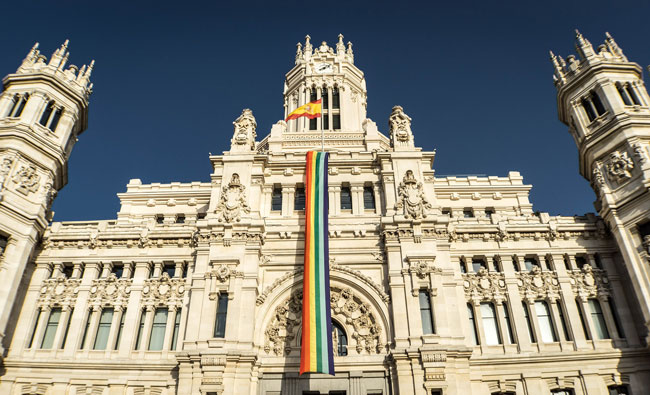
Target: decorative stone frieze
x=26 y=179
x=360 y=323
x=59 y=291
x=164 y=291
x=484 y=286
x=538 y=284
x=620 y=166
x=110 y=291
x=589 y=283
x=232 y=203
x=412 y=198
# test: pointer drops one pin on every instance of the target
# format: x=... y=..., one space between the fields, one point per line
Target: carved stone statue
x=232 y=202
x=620 y=165
x=26 y=179
x=411 y=198
x=399 y=125
x=245 y=132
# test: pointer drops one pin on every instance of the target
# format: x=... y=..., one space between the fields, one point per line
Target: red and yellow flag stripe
x=311 y=110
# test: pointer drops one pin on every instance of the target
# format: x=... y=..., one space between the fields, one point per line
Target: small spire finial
x=613 y=46
x=583 y=46
x=340 y=46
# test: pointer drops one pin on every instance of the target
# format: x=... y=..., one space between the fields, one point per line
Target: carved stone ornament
x=411 y=198
x=5 y=168
x=232 y=202
x=538 y=284
x=640 y=153
x=360 y=323
x=59 y=291
x=399 y=125
x=423 y=267
x=112 y=289
x=589 y=282
x=164 y=290
x=245 y=132
x=646 y=244
x=26 y=179
x=222 y=273
x=620 y=165
x=484 y=286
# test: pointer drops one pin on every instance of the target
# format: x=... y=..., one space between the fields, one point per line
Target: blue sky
x=170 y=78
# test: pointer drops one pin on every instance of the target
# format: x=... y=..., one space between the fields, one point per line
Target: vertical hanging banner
x=316 y=354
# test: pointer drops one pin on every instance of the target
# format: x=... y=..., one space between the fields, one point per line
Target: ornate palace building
x=439 y=285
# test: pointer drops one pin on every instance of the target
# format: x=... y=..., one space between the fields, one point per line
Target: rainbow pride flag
x=316 y=352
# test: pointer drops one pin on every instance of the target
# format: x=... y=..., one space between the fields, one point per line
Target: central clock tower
x=327 y=73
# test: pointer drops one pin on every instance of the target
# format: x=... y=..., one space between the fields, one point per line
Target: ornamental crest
x=411 y=198
x=59 y=291
x=485 y=285
x=538 y=284
x=232 y=202
x=399 y=125
x=26 y=179
x=165 y=290
x=111 y=289
x=620 y=165
x=589 y=282
x=245 y=133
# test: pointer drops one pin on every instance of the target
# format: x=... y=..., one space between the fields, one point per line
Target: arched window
x=339 y=339
x=19 y=105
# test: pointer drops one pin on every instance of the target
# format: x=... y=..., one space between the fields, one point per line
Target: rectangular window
x=426 y=313
x=582 y=320
x=463 y=268
x=143 y=316
x=595 y=99
x=490 y=326
x=222 y=314
x=633 y=96
x=46 y=113
x=446 y=211
x=50 y=328
x=103 y=330
x=158 y=329
x=3 y=244
x=565 y=329
x=508 y=328
x=530 y=263
x=617 y=319
x=160 y=219
x=468 y=213
x=276 y=200
x=621 y=91
x=580 y=261
x=346 y=198
x=598 y=319
x=336 y=121
x=67 y=270
x=55 y=119
x=21 y=105
x=477 y=264
x=177 y=325
x=472 y=323
x=489 y=212
x=118 y=270
x=313 y=123
x=336 y=102
x=180 y=219
x=31 y=337
x=368 y=198
x=170 y=269
x=299 y=199
x=586 y=105
x=619 y=390
x=84 y=339
x=545 y=322
x=119 y=332
x=531 y=333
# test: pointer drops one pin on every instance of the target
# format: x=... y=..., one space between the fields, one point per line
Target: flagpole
x=322 y=129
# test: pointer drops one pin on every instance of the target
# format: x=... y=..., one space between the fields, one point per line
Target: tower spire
x=613 y=47
x=583 y=46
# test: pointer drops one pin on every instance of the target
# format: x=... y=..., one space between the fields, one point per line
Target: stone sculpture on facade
x=245 y=132
x=26 y=179
x=411 y=198
x=620 y=165
x=399 y=125
x=232 y=202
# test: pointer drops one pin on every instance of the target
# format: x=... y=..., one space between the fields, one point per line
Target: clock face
x=322 y=68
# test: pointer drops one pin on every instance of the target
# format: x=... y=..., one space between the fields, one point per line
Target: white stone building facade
x=440 y=285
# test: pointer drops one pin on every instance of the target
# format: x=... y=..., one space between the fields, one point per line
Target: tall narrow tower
x=602 y=98
x=43 y=108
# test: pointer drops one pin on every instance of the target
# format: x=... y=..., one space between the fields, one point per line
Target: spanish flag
x=310 y=110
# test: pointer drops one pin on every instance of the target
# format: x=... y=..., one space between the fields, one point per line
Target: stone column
x=40 y=326
x=288 y=192
x=92 y=328
x=478 y=321
x=567 y=297
x=266 y=200
x=378 y=202
x=586 y=314
x=146 y=331
x=61 y=329
x=503 y=325
x=532 y=314
x=157 y=269
x=627 y=319
x=6 y=102
x=76 y=270
x=336 y=200
x=107 y=267
x=609 y=318
x=357 y=199
x=169 y=327
x=519 y=324
x=115 y=327
x=127 y=269
x=178 y=270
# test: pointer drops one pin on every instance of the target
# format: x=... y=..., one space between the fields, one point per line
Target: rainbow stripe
x=316 y=352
